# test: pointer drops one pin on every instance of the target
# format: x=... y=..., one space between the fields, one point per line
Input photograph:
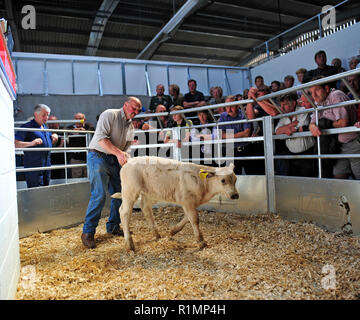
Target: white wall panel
x=9 y=240
x=157 y=75
x=179 y=76
x=86 y=78
x=111 y=78
x=217 y=78
x=30 y=76
x=59 y=75
x=135 y=79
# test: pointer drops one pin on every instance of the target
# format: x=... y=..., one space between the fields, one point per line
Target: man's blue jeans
x=104 y=174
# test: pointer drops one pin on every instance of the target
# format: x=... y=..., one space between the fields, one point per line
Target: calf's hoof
x=202 y=245
x=130 y=245
x=173 y=231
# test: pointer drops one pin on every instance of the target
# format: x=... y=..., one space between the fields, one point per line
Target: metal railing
x=64 y=150
x=296 y=37
x=267 y=138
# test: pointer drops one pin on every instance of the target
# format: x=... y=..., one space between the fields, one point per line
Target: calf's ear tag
x=203 y=174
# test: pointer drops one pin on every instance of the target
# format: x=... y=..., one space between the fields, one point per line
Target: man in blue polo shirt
x=234 y=131
x=37 y=139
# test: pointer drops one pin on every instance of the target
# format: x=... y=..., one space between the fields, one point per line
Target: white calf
x=158 y=179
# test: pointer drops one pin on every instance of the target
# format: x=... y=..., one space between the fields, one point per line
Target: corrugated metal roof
x=221 y=32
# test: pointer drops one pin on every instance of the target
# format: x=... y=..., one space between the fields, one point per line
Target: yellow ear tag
x=203 y=174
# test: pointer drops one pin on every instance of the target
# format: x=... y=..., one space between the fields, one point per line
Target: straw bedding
x=252 y=257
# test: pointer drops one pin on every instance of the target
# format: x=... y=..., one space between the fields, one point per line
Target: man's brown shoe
x=88 y=240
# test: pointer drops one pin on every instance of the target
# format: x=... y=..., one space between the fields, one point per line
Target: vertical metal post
x=176 y=133
x=46 y=79
x=269 y=164
x=123 y=78
x=65 y=161
x=219 y=146
x=267 y=51
x=147 y=81
x=318 y=143
x=320 y=26
x=99 y=79
x=87 y=139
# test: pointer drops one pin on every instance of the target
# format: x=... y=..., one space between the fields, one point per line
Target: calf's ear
x=205 y=174
x=231 y=166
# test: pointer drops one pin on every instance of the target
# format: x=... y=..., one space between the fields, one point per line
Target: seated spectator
x=275 y=86
x=205 y=134
x=78 y=140
x=216 y=95
x=259 y=81
x=302 y=145
x=354 y=82
x=289 y=81
x=162 y=121
x=268 y=107
x=353 y=63
x=336 y=62
x=282 y=86
x=233 y=131
x=239 y=97
x=339 y=117
x=176 y=96
x=193 y=99
x=300 y=73
x=245 y=94
x=179 y=121
x=57 y=158
x=160 y=98
x=322 y=70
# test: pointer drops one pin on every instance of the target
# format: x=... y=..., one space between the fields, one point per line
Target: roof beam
x=262 y=11
x=171 y=27
x=12 y=22
x=102 y=16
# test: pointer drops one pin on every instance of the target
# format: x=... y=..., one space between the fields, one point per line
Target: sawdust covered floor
x=255 y=257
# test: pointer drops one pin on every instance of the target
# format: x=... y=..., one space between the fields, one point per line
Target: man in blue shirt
x=234 y=131
x=38 y=139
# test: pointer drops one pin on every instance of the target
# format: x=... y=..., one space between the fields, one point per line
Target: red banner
x=6 y=60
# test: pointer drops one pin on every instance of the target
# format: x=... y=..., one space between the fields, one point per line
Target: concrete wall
x=65 y=106
x=343 y=44
x=9 y=235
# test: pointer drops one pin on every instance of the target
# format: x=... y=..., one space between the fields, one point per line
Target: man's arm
x=25 y=144
x=107 y=145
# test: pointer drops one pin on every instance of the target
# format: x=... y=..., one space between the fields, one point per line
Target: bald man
x=107 y=154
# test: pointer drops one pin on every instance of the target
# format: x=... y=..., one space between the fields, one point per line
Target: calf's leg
x=125 y=212
x=146 y=207
x=193 y=217
x=179 y=226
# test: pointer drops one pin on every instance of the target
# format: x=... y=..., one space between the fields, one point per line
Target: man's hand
x=315 y=131
x=54 y=138
x=37 y=141
x=122 y=157
x=253 y=93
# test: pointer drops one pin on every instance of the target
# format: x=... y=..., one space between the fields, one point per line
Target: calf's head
x=222 y=180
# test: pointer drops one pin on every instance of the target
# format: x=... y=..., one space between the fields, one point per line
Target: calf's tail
x=116 y=195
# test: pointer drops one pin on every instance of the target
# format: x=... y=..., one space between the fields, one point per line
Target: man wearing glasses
x=107 y=154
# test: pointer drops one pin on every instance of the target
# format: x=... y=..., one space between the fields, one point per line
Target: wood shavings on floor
x=248 y=257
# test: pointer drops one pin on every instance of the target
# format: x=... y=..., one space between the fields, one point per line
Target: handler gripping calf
x=186 y=184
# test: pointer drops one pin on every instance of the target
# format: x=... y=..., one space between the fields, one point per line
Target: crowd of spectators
x=204 y=153
x=323 y=95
